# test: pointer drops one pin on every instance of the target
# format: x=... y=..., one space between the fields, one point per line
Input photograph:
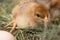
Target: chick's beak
x=47 y=20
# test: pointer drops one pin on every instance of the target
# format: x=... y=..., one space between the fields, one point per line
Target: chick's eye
x=37 y=15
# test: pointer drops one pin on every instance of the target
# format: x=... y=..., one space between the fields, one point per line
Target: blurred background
x=52 y=32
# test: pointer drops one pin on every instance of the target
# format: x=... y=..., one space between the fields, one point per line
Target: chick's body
x=26 y=14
